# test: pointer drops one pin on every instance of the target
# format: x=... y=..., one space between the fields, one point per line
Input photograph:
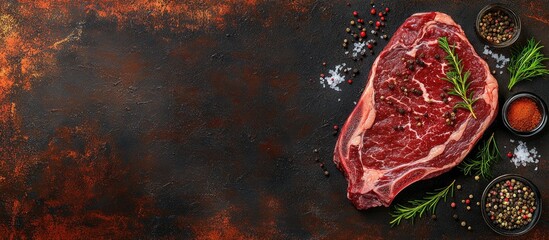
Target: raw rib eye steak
x=404 y=128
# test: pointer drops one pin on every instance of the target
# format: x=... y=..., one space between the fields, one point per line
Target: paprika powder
x=524 y=114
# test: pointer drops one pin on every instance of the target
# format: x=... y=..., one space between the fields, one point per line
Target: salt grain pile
x=336 y=76
x=522 y=156
x=501 y=60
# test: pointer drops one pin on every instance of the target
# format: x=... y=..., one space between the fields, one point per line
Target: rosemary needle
x=419 y=207
x=457 y=77
x=487 y=155
x=527 y=63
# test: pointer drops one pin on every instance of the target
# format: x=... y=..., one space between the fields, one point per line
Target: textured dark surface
x=155 y=119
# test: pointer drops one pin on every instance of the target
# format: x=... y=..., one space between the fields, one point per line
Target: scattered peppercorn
x=453 y=204
x=362 y=34
x=469 y=228
x=434 y=217
x=463 y=223
x=378 y=24
x=350 y=81
x=477 y=178
x=336 y=127
x=455 y=216
x=355 y=13
x=468 y=208
x=471 y=196
x=458 y=187
x=509 y=154
x=467 y=201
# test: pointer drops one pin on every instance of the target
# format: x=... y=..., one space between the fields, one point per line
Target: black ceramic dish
x=513 y=17
x=541 y=106
x=535 y=216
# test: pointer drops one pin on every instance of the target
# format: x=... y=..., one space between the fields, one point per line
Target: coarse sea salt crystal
x=501 y=60
x=523 y=156
x=335 y=77
x=358 y=48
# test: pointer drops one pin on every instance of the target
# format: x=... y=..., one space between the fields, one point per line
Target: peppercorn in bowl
x=498 y=25
x=524 y=114
x=511 y=205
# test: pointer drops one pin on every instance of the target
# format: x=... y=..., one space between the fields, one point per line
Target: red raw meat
x=398 y=132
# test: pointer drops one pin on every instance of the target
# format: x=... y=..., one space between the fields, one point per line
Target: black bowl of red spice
x=524 y=114
x=511 y=205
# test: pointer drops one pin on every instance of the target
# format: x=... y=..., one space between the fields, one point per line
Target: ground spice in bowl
x=524 y=114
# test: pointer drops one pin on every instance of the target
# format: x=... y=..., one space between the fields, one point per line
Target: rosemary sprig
x=481 y=165
x=428 y=203
x=457 y=77
x=527 y=63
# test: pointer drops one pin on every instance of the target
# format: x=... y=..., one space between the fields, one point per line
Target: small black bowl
x=541 y=106
x=513 y=17
x=535 y=215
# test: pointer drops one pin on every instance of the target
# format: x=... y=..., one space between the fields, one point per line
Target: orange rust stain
x=538 y=12
x=538 y=18
x=71 y=177
x=301 y=6
x=73 y=183
x=219 y=226
x=223 y=225
x=33 y=47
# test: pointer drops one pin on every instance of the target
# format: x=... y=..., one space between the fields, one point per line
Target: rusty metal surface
x=198 y=119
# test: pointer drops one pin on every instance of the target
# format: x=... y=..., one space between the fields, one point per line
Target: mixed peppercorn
x=497 y=27
x=510 y=204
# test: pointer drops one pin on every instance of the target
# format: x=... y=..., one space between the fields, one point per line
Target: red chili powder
x=523 y=114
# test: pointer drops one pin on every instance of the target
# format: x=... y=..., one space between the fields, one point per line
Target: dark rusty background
x=198 y=119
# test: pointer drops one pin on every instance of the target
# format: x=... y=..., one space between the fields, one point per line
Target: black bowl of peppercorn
x=511 y=205
x=524 y=114
x=497 y=25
